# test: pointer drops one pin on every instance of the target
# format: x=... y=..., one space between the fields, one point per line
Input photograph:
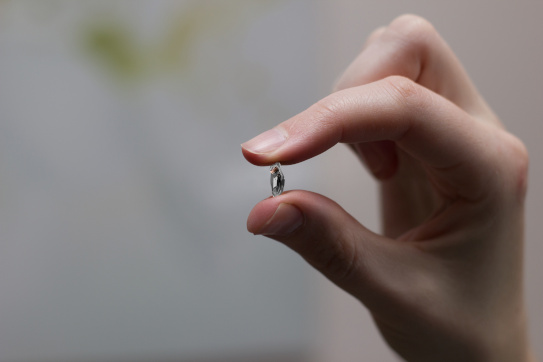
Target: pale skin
x=443 y=281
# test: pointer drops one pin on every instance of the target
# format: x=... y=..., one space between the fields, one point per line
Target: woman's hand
x=444 y=282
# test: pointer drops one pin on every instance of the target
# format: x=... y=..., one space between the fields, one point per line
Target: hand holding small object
x=444 y=280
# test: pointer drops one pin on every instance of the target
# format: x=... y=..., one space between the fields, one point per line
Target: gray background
x=123 y=192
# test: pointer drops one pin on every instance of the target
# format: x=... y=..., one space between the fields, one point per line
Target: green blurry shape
x=174 y=50
x=115 y=44
x=190 y=26
x=112 y=44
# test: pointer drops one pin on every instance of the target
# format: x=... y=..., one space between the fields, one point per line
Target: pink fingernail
x=265 y=142
x=284 y=221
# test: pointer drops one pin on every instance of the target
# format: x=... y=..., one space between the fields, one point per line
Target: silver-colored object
x=277 y=179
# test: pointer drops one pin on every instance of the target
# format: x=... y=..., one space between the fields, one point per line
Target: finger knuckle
x=521 y=162
x=405 y=92
x=511 y=159
x=329 y=107
x=412 y=27
x=328 y=111
x=411 y=39
x=375 y=34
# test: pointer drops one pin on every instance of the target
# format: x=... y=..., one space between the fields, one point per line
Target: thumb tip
x=272 y=219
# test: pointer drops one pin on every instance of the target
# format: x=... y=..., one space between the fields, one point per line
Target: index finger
x=425 y=125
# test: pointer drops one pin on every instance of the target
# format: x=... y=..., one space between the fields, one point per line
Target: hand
x=444 y=281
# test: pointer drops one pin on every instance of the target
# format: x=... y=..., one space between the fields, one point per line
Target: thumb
x=327 y=237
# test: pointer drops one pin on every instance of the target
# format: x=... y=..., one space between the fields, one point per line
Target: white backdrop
x=123 y=192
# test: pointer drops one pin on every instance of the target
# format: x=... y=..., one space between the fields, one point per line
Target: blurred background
x=124 y=195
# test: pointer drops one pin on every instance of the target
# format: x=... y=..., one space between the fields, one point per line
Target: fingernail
x=286 y=219
x=265 y=142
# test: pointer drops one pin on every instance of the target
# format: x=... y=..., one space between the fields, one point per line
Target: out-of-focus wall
x=123 y=192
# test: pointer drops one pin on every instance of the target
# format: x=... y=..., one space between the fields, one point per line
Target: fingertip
x=375 y=34
x=260 y=213
x=249 y=156
x=258 y=159
x=266 y=142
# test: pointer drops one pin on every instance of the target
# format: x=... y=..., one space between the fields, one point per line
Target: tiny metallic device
x=277 y=179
